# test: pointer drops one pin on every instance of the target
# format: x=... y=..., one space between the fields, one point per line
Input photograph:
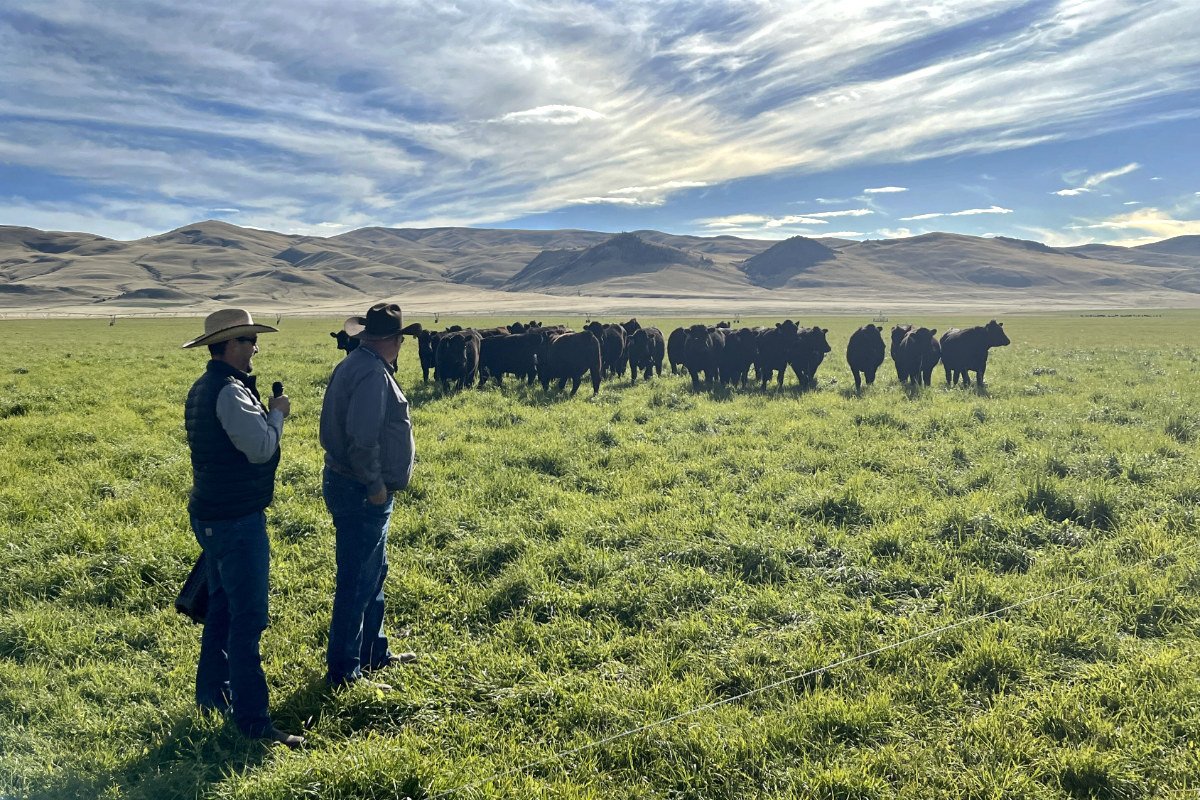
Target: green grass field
x=572 y=569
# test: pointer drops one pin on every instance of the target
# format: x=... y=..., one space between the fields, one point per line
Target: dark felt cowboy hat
x=226 y=324
x=383 y=321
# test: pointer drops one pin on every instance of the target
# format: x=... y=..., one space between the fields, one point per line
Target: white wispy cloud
x=885 y=190
x=758 y=220
x=1092 y=181
x=895 y=233
x=965 y=213
x=764 y=226
x=552 y=115
x=848 y=212
x=1153 y=223
x=301 y=115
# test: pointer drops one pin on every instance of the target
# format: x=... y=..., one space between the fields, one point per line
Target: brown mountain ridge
x=213 y=262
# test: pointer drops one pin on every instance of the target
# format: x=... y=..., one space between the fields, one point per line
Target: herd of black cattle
x=461 y=357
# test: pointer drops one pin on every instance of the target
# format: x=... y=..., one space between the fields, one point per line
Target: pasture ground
x=573 y=568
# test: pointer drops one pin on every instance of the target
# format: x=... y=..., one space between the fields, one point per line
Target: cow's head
x=996 y=337
x=345 y=341
x=815 y=339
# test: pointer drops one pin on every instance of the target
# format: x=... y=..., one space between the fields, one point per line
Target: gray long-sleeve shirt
x=365 y=428
x=252 y=430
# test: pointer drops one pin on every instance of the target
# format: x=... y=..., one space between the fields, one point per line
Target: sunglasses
x=247 y=339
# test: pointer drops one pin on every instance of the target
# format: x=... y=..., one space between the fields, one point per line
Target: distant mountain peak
x=773 y=267
x=621 y=254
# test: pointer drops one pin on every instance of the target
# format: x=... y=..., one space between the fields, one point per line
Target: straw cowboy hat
x=383 y=321
x=226 y=324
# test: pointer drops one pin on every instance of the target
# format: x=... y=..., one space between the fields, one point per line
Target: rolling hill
x=199 y=266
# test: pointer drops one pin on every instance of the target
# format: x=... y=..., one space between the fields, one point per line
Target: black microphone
x=277 y=389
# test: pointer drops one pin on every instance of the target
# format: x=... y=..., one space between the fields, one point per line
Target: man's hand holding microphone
x=279 y=400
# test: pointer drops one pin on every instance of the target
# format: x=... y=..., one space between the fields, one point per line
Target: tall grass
x=570 y=569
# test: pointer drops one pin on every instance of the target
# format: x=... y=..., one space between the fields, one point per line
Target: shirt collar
x=391 y=370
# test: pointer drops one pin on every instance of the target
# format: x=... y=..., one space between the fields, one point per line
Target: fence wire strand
x=562 y=754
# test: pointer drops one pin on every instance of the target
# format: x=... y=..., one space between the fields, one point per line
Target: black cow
x=741 y=348
x=775 y=348
x=930 y=360
x=898 y=333
x=515 y=354
x=966 y=350
x=457 y=358
x=345 y=341
x=916 y=355
x=675 y=344
x=646 y=350
x=612 y=346
x=864 y=354
x=808 y=353
x=702 y=353
x=631 y=327
x=426 y=352
x=568 y=357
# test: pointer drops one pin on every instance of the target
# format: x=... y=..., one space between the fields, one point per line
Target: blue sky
x=1065 y=122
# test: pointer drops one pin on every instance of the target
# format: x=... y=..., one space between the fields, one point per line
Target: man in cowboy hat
x=368 y=440
x=234 y=442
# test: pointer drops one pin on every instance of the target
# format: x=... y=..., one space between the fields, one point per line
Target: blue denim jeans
x=356 y=637
x=230 y=671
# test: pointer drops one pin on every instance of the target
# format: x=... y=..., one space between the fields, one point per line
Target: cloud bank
x=305 y=116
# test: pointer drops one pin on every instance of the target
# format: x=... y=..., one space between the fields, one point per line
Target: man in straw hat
x=235 y=449
x=368 y=440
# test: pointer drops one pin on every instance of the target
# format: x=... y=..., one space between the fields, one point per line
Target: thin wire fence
x=562 y=754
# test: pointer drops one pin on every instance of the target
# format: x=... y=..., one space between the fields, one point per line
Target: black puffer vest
x=225 y=485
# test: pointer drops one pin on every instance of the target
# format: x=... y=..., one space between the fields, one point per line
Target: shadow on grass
x=194 y=754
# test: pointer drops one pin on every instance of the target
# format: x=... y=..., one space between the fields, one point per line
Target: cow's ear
x=1001 y=324
x=932 y=331
x=334 y=335
x=824 y=330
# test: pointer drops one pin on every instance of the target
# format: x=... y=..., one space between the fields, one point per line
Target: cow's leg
x=595 y=382
x=695 y=379
x=562 y=384
x=575 y=384
x=858 y=380
x=947 y=367
x=870 y=376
